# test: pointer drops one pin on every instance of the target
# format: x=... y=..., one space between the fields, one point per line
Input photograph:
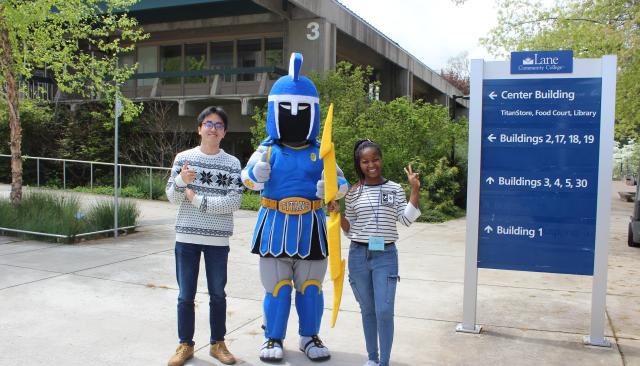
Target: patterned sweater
x=208 y=219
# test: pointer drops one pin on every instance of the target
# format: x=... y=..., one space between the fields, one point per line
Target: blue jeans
x=187 y=268
x=373 y=276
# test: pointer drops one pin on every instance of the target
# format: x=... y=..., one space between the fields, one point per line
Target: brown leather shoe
x=183 y=353
x=220 y=351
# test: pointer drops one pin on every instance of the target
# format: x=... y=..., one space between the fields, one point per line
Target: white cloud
x=431 y=30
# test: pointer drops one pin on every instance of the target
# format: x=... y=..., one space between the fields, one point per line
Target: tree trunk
x=11 y=85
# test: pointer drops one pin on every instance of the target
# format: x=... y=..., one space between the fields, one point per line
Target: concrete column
x=404 y=84
x=315 y=38
x=396 y=82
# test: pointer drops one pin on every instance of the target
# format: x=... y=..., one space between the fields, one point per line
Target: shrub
x=100 y=216
x=407 y=131
x=250 y=201
x=58 y=214
x=43 y=212
x=140 y=182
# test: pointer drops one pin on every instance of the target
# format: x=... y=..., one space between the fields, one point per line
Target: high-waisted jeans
x=373 y=276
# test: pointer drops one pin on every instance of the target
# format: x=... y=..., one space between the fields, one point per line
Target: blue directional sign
x=539 y=174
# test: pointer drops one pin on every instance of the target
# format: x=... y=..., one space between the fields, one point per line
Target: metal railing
x=60 y=236
x=46 y=88
x=207 y=72
x=64 y=184
x=150 y=169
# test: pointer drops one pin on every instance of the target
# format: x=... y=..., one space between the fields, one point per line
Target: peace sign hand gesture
x=412 y=177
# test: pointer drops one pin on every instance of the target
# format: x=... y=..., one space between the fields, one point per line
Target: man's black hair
x=213 y=110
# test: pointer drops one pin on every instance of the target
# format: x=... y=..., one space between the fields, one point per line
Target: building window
x=249 y=56
x=126 y=59
x=222 y=56
x=171 y=60
x=274 y=54
x=147 y=62
x=195 y=58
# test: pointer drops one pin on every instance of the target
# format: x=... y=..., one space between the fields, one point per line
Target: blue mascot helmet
x=293 y=110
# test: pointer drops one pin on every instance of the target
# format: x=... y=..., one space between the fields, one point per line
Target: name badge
x=376 y=243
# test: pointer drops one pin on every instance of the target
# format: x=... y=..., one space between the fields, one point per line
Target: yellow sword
x=336 y=263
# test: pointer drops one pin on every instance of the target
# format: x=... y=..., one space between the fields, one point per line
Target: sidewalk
x=112 y=302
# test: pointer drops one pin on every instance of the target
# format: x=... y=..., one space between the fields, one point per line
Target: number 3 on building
x=314 y=31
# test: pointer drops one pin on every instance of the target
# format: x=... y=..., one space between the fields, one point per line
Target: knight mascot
x=290 y=235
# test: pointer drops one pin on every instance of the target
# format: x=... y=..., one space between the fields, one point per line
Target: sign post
x=118 y=113
x=540 y=150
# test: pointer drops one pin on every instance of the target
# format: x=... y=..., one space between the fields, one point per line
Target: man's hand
x=190 y=194
x=187 y=175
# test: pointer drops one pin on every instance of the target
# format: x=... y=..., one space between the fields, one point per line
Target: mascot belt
x=292 y=205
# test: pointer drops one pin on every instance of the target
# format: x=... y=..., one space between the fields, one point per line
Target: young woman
x=373 y=205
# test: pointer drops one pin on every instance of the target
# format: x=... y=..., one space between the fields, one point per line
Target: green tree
x=591 y=28
x=408 y=132
x=457 y=72
x=77 y=41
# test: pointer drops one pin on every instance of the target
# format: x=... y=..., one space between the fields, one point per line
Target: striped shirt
x=372 y=210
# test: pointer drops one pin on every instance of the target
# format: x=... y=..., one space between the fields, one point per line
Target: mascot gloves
x=343 y=186
x=262 y=169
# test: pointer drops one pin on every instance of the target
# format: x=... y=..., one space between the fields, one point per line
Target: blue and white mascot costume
x=290 y=235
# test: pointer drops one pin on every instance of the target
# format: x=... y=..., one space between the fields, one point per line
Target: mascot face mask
x=293 y=111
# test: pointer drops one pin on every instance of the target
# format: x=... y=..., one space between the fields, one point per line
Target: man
x=205 y=183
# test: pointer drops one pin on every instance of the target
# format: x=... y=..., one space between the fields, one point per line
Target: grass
x=137 y=187
x=56 y=214
x=129 y=191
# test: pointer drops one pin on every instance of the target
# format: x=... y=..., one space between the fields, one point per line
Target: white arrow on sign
x=490 y=180
x=491 y=138
x=493 y=95
x=488 y=229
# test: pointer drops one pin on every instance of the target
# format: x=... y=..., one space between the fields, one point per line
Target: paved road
x=112 y=302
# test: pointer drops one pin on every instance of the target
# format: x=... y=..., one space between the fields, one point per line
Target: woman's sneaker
x=371 y=363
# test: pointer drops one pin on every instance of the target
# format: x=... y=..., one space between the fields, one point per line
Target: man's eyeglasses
x=209 y=125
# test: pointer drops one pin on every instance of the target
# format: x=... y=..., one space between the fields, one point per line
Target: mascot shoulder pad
x=267 y=142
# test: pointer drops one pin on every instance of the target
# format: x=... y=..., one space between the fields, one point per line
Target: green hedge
x=409 y=132
x=250 y=201
x=57 y=214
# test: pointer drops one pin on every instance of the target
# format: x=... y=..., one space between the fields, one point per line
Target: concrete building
x=230 y=52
